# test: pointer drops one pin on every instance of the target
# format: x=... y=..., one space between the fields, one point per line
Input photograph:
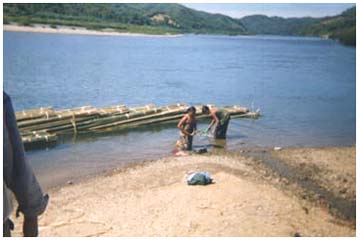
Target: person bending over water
x=220 y=119
x=187 y=126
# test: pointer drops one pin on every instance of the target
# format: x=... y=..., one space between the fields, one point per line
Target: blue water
x=304 y=87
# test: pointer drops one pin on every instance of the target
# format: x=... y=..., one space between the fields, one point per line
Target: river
x=304 y=87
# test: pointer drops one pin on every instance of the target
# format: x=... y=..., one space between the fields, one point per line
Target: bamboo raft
x=42 y=127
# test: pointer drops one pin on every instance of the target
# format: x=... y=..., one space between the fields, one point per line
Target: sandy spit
x=153 y=199
x=42 y=28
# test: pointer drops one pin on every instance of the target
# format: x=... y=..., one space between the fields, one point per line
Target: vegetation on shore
x=117 y=27
x=341 y=27
x=159 y=18
x=139 y=18
x=262 y=24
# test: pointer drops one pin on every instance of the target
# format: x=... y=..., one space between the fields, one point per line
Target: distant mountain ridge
x=162 y=18
x=262 y=24
x=341 y=27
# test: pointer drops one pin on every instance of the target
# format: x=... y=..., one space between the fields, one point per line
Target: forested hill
x=161 y=18
x=341 y=27
x=262 y=24
x=145 y=17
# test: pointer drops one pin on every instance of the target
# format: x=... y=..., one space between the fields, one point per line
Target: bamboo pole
x=114 y=119
x=44 y=138
x=134 y=119
x=85 y=122
x=61 y=115
x=166 y=115
x=49 y=125
x=134 y=124
x=113 y=110
x=34 y=113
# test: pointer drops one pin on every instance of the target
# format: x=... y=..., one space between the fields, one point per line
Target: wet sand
x=43 y=28
x=248 y=198
x=334 y=169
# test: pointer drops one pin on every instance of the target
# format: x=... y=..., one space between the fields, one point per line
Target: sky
x=238 y=10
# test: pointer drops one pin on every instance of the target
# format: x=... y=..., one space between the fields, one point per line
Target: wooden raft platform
x=42 y=126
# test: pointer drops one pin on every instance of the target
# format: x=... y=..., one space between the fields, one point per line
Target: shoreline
x=247 y=199
x=140 y=162
x=45 y=28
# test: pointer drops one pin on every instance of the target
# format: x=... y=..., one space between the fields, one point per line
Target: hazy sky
x=273 y=9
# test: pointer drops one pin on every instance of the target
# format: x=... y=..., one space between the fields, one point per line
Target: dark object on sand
x=201 y=151
x=199 y=178
x=297 y=235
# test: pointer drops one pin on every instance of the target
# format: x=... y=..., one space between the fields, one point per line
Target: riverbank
x=44 y=28
x=248 y=198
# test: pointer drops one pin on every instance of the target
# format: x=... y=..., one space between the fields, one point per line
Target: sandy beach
x=43 y=28
x=248 y=198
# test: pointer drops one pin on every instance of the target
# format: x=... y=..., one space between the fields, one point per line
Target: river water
x=304 y=87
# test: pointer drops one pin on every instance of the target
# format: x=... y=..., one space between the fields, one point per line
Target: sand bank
x=43 y=28
x=247 y=199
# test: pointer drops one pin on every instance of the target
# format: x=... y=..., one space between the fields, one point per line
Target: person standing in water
x=220 y=119
x=187 y=126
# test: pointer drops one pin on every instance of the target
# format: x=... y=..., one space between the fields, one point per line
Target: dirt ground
x=153 y=199
x=333 y=168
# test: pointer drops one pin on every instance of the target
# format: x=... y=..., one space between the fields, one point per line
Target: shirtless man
x=187 y=126
x=220 y=119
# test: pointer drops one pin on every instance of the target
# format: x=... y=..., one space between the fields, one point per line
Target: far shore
x=44 y=28
x=248 y=198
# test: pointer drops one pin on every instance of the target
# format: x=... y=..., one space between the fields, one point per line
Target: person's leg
x=226 y=124
x=182 y=142
x=7 y=227
x=189 y=142
x=220 y=131
x=221 y=128
x=217 y=132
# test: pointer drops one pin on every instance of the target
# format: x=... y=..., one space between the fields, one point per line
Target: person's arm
x=215 y=120
x=20 y=178
x=210 y=125
x=181 y=124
